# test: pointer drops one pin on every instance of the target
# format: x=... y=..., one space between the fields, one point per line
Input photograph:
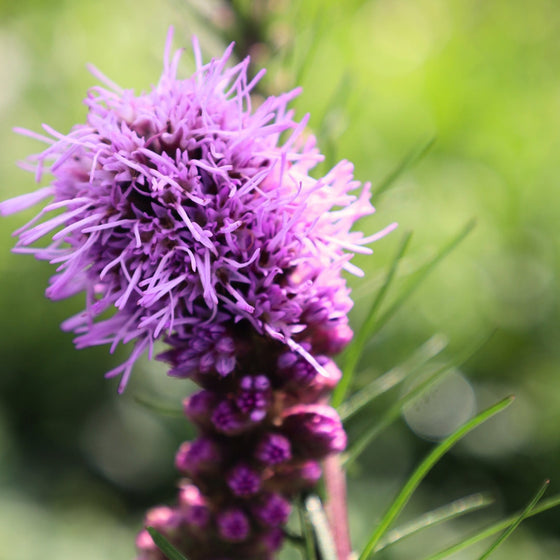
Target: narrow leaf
x=435 y=517
x=394 y=412
x=408 y=161
x=422 y=274
x=494 y=529
x=393 y=377
x=390 y=416
x=164 y=545
x=524 y=514
x=354 y=352
x=423 y=469
x=318 y=520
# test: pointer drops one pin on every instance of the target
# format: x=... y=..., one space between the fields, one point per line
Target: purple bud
x=331 y=339
x=144 y=542
x=193 y=506
x=201 y=455
x=314 y=430
x=272 y=540
x=243 y=480
x=147 y=549
x=273 y=449
x=322 y=385
x=164 y=519
x=253 y=396
x=198 y=407
x=290 y=479
x=233 y=525
x=295 y=370
x=228 y=419
x=272 y=510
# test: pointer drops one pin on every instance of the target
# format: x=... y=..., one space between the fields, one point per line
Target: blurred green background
x=78 y=466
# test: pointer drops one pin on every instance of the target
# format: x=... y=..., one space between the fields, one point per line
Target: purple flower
x=187 y=216
x=182 y=212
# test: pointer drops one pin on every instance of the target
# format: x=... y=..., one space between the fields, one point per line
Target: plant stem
x=335 y=482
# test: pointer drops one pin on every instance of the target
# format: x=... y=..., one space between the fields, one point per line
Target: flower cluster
x=263 y=430
x=187 y=216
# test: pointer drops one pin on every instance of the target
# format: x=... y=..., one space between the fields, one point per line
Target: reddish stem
x=336 y=506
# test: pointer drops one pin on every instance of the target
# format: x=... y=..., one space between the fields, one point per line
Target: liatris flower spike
x=193 y=218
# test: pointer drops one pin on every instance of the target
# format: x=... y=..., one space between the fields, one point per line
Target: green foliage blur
x=79 y=465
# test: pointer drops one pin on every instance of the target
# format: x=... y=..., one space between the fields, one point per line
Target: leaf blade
x=164 y=545
x=355 y=350
x=422 y=470
x=408 y=161
x=493 y=529
x=453 y=510
x=524 y=514
x=423 y=273
x=394 y=411
x=390 y=379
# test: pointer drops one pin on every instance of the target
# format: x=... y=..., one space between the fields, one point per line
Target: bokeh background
x=79 y=465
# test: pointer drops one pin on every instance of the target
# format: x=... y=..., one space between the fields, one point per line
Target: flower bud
x=233 y=525
x=314 y=430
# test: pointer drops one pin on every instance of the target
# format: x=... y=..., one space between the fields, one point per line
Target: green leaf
x=164 y=545
x=395 y=410
x=494 y=529
x=354 y=351
x=524 y=514
x=422 y=274
x=423 y=469
x=435 y=517
x=408 y=161
x=372 y=325
x=318 y=519
x=393 y=377
x=390 y=416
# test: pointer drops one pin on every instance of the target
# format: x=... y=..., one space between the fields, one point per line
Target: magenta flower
x=187 y=216
x=182 y=211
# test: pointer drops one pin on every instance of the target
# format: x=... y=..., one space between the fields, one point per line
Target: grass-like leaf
x=395 y=410
x=390 y=416
x=422 y=274
x=373 y=324
x=408 y=161
x=393 y=377
x=491 y=530
x=455 y=509
x=318 y=519
x=164 y=545
x=524 y=514
x=423 y=469
x=354 y=351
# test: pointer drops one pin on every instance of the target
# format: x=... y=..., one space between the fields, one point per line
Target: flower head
x=186 y=215
x=185 y=212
